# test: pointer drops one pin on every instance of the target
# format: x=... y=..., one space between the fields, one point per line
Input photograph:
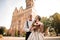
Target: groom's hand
x=31 y=29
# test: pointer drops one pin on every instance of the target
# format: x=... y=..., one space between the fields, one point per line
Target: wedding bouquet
x=36 y=26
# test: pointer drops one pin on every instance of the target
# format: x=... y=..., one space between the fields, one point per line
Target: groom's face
x=30 y=17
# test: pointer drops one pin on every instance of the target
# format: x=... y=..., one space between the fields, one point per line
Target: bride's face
x=36 y=18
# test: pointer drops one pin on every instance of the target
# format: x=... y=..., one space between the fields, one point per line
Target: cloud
x=47 y=7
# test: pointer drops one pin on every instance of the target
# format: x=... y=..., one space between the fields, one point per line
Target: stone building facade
x=20 y=16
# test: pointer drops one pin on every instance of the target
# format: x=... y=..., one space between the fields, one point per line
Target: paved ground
x=52 y=38
x=22 y=38
x=12 y=38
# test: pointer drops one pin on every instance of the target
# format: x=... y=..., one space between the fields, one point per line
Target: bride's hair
x=38 y=17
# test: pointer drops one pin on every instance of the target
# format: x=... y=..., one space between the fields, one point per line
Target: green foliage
x=8 y=34
x=24 y=35
x=16 y=32
x=47 y=22
x=2 y=30
x=53 y=22
x=56 y=22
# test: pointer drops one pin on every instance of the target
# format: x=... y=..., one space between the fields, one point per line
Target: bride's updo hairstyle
x=38 y=17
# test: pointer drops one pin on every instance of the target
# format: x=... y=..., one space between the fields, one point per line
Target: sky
x=42 y=7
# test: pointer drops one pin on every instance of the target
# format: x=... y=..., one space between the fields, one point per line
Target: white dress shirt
x=26 y=29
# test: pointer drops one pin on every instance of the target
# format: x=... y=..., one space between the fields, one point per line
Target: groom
x=27 y=26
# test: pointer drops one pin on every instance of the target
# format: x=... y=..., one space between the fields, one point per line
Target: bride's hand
x=32 y=28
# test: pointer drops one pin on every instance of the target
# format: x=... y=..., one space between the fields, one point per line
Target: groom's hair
x=30 y=15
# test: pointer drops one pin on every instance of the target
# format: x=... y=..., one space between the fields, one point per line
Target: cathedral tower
x=19 y=17
x=29 y=4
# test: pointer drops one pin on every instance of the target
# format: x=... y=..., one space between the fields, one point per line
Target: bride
x=36 y=30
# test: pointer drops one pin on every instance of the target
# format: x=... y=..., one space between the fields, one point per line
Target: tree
x=2 y=30
x=46 y=22
x=56 y=22
x=16 y=32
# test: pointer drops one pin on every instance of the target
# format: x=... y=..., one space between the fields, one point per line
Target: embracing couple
x=34 y=28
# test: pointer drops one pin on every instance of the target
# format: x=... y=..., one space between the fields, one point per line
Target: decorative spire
x=21 y=9
x=15 y=11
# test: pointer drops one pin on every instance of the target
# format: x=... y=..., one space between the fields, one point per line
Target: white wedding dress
x=36 y=36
